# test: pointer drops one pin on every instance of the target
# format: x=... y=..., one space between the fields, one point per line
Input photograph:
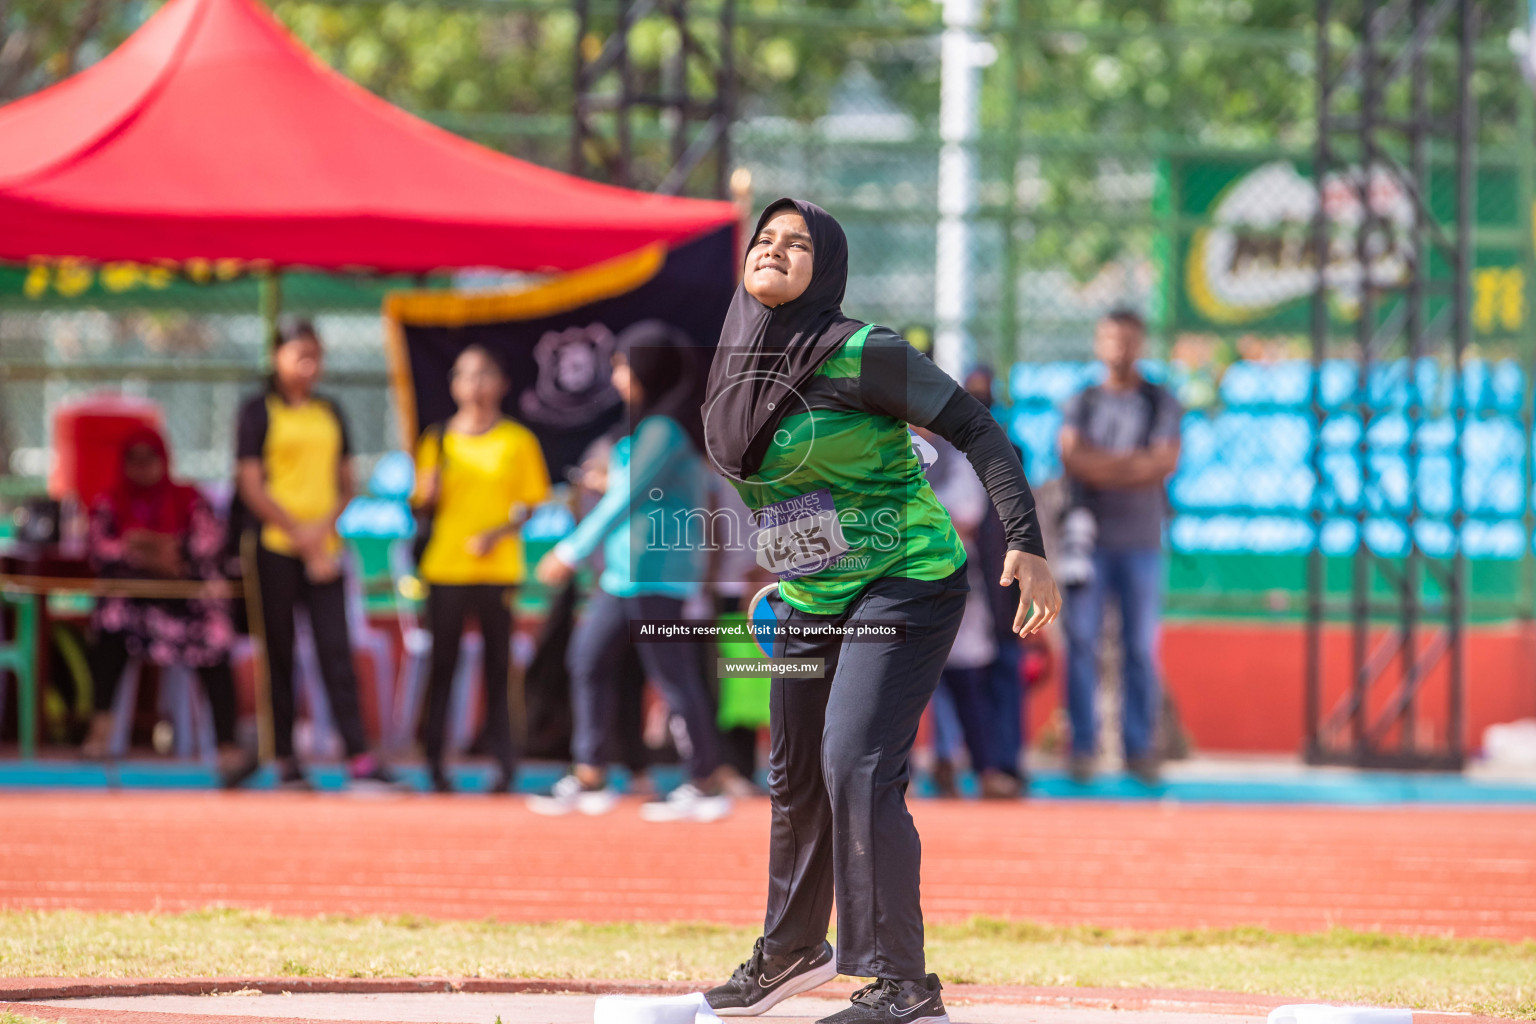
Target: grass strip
x=15 y=1018
x=1424 y=972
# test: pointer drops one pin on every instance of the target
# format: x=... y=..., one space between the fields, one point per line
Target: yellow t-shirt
x=483 y=476
x=301 y=450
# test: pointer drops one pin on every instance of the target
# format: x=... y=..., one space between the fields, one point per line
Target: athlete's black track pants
x=838 y=774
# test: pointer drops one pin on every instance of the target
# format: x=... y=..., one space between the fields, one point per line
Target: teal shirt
x=655 y=482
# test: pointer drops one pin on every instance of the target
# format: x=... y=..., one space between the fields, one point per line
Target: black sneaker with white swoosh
x=889 y=1001
x=764 y=981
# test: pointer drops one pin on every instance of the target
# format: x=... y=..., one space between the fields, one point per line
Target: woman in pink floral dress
x=151 y=527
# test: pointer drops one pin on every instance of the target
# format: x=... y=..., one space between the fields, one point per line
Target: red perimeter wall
x=1240 y=685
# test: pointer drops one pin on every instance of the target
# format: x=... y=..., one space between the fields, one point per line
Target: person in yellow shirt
x=481 y=474
x=294 y=473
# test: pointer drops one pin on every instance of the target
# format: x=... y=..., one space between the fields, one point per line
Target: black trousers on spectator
x=838 y=772
x=109 y=656
x=284 y=586
x=738 y=748
x=595 y=658
x=447 y=609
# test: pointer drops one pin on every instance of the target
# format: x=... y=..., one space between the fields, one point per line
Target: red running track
x=1412 y=870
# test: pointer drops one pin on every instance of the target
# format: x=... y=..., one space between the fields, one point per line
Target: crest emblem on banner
x=573 y=386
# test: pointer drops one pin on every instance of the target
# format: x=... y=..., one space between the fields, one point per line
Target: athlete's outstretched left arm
x=899 y=381
x=968 y=425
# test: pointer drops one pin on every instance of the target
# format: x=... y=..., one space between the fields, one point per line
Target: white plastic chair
x=181 y=697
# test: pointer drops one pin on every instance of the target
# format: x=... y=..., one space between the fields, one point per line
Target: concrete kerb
x=29 y=996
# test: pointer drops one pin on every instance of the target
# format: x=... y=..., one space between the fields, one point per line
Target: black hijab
x=661 y=358
x=767 y=355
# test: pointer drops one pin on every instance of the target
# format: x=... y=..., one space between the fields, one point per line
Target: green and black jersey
x=841 y=499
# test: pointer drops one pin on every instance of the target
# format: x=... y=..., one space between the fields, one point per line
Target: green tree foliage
x=503 y=72
x=1102 y=88
x=1084 y=98
x=46 y=41
x=456 y=59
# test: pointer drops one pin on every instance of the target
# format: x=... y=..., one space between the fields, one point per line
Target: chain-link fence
x=196 y=365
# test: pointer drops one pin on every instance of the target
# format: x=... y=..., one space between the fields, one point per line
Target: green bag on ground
x=743 y=700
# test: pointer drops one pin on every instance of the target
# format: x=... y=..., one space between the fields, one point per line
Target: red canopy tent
x=212 y=134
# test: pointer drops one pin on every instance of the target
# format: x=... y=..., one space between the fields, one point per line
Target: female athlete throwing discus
x=807 y=413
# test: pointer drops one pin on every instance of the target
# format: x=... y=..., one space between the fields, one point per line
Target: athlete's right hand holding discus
x=1039 y=600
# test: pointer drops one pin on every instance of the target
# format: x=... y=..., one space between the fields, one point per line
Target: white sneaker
x=687 y=803
x=569 y=796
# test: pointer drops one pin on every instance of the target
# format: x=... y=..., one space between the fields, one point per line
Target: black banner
x=558 y=362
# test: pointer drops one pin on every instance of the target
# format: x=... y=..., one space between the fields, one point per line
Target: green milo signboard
x=1242 y=257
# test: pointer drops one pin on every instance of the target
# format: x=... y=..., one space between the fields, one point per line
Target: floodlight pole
x=961 y=56
x=1317 y=579
x=1525 y=105
x=1375 y=180
x=269 y=292
x=1007 y=348
x=612 y=89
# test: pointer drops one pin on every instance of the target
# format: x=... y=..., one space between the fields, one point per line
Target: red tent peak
x=219 y=135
